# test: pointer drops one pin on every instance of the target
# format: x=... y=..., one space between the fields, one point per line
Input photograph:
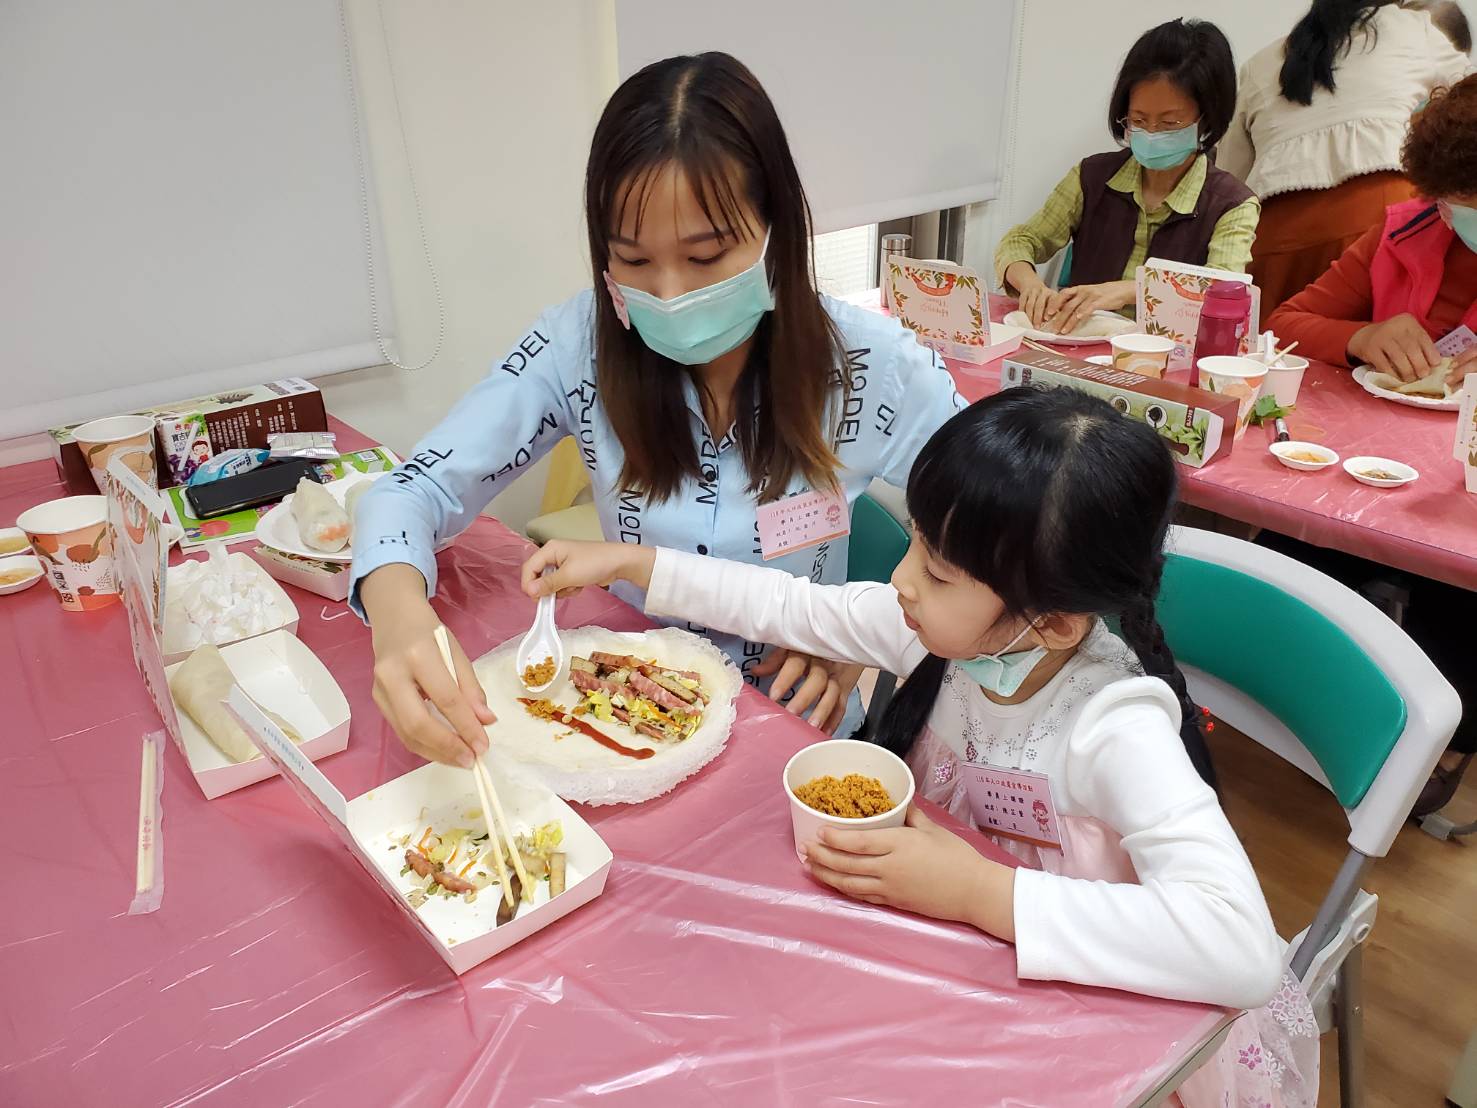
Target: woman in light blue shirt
x=702 y=377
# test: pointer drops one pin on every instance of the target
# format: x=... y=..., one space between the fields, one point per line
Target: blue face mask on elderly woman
x=1462 y=220
x=1164 y=149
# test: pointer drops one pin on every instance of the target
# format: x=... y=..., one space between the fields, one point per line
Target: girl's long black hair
x=1060 y=505
x=1316 y=43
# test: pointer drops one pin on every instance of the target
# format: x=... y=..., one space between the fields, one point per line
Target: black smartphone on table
x=248 y=490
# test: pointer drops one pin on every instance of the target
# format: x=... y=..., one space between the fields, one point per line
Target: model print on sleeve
x=532 y=345
x=527 y=453
x=420 y=463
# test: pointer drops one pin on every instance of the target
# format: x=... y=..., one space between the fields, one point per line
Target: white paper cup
x=1284 y=379
x=837 y=758
x=130 y=437
x=72 y=538
x=1238 y=377
x=1146 y=355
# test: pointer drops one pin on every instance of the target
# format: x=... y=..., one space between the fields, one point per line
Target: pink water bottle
x=1225 y=318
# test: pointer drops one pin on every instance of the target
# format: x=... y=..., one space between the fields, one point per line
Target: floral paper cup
x=129 y=437
x=72 y=538
x=1238 y=377
x=1146 y=355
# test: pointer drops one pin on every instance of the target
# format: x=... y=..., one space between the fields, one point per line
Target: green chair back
x=1290 y=658
x=878 y=542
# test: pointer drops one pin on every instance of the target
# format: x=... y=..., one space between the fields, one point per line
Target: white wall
x=499 y=101
x=1070 y=53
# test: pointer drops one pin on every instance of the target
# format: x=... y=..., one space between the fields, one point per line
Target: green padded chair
x=878 y=543
x=1315 y=673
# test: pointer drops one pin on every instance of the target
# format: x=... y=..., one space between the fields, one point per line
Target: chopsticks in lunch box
x=491 y=805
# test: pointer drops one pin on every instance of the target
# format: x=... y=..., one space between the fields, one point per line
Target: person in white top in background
x=1449 y=18
x=1320 y=118
x=1037 y=515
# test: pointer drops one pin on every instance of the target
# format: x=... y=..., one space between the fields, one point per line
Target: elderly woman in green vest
x=1159 y=198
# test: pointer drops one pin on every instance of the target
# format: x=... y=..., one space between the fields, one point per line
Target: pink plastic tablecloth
x=711 y=971
x=1428 y=528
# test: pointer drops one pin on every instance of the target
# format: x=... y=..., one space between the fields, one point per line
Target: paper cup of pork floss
x=72 y=538
x=848 y=785
x=1238 y=377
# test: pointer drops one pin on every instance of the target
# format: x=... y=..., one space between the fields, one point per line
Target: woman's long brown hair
x=710 y=118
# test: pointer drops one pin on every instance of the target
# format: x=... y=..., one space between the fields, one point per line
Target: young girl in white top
x=1036 y=516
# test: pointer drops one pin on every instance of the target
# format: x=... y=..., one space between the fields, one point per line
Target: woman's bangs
x=712 y=179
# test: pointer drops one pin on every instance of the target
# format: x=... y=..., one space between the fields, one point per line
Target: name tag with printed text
x=1455 y=342
x=1013 y=802
x=803 y=520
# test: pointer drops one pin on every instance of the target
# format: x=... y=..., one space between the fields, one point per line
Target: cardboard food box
x=943 y=304
x=233 y=418
x=276 y=668
x=377 y=826
x=329 y=580
x=280 y=673
x=284 y=611
x=1464 y=449
x=1169 y=297
x=1199 y=426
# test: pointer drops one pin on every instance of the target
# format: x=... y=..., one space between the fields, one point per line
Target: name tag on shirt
x=1457 y=341
x=803 y=520
x=1013 y=802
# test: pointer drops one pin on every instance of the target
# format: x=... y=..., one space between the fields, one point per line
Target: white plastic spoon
x=542 y=642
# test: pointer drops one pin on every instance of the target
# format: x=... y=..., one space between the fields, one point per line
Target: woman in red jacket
x=1386 y=302
x=1412 y=280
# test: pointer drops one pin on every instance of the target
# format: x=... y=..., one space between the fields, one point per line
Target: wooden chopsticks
x=492 y=807
x=1278 y=355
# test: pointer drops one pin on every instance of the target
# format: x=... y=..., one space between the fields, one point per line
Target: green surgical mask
x=704 y=324
x=1164 y=149
x=1003 y=673
x=1462 y=220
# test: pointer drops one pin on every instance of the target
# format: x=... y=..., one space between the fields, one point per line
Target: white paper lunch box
x=283 y=675
x=371 y=827
x=285 y=610
x=329 y=580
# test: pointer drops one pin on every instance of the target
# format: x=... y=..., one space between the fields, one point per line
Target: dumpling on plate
x=321 y=520
x=1432 y=384
x=1099 y=325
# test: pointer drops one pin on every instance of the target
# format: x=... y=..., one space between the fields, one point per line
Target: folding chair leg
x=1349 y=1008
x=1330 y=913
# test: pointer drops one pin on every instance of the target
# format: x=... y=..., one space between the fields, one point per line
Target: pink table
x=1427 y=528
x=711 y=971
